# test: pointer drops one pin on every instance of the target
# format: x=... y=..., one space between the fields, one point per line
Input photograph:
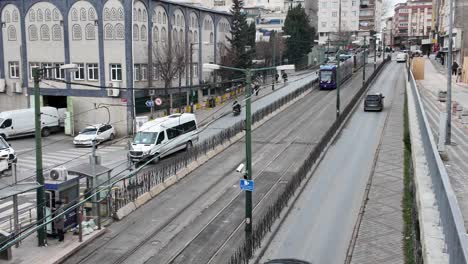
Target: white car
x=6 y=153
x=100 y=133
x=401 y=57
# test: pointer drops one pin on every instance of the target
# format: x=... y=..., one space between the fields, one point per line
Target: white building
x=328 y=18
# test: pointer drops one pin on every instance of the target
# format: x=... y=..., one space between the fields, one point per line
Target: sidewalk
x=54 y=252
x=380 y=236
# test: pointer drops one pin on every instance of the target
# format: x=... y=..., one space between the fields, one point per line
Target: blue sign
x=246 y=185
x=149 y=103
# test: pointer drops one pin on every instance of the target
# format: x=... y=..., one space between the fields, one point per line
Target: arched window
x=33 y=33
x=136 y=32
x=159 y=17
x=173 y=22
x=74 y=13
x=139 y=15
x=155 y=34
x=45 y=32
x=76 y=32
x=91 y=14
x=40 y=15
x=106 y=14
x=195 y=36
x=163 y=35
x=174 y=36
x=48 y=15
x=135 y=16
x=178 y=20
x=193 y=22
x=119 y=31
x=164 y=18
x=11 y=33
x=144 y=33
x=211 y=38
x=121 y=14
x=7 y=16
x=57 y=32
x=108 y=32
x=56 y=14
x=181 y=36
x=90 y=32
x=15 y=16
x=145 y=15
x=113 y=14
x=32 y=15
x=190 y=36
x=83 y=14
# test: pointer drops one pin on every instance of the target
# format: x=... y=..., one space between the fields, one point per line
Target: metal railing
x=451 y=217
x=273 y=212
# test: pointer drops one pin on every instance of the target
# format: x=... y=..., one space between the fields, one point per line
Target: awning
x=7 y=191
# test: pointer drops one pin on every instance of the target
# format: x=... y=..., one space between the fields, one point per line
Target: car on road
x=374 y=102
x=98 y=132
x=401 y=57
x=287 y=261
x=20 y=123
x=7 y=152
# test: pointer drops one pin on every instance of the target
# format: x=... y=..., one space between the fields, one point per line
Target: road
x=58 y=150
x=200 y=216
x=320 y=224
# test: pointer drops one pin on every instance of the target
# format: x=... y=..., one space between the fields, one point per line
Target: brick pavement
x=380 y=236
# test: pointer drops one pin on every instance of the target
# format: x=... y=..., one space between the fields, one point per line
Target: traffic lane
x=320 y=225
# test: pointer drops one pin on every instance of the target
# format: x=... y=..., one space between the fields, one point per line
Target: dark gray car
x=374 y=102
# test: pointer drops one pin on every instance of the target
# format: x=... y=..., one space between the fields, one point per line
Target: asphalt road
x=191 y=221
x=321 y=222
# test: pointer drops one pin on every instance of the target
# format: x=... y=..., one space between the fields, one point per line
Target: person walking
x=59 y=222
x=454 y=68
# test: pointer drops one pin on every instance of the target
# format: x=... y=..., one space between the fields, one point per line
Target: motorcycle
x=236 y=108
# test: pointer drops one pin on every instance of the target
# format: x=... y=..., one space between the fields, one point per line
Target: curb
x=95 y=235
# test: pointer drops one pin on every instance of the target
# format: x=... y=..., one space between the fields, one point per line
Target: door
x=50 y=196
x=101 y=134
x=161 y=142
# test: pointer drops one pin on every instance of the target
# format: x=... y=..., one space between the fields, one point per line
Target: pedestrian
x=59 y=221
x=442 y=60
x=454 y=68
x=315 y=60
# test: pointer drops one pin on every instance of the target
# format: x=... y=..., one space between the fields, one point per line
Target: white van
x=401 y=57
x=164 y=136
x=18 y=123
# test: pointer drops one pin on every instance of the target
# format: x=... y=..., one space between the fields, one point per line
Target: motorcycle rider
x=236 y=107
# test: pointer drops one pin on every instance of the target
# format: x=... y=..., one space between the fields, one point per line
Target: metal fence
x=152 y=176
x=265 y=223
x=450 y=213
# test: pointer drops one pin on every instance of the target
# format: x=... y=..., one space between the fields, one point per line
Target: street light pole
x=375 y=53
x=40 y=193
x=191 y=77
x=274 y=62
x=364 y=62
x=248 y=156
x=338 y=86
x=448 y=128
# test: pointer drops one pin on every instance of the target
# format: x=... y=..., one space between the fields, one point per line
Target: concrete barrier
x=126 y=210
x=157 y=190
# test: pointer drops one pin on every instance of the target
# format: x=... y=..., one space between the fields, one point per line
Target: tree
x=301 y=34
x=240 y=37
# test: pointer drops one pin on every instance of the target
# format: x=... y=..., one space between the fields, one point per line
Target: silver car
x=99 y=133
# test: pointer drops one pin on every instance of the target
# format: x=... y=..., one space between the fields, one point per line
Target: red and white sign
x=158 y=101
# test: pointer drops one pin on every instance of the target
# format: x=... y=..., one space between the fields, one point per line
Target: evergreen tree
x=241 y=58
x=301 y=34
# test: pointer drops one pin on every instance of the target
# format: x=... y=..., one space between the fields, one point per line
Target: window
x=119 y=31
x=106 y=14
x=354 y=13
x=159 y=17
x=353 y=3
x=145 y=15
x=116 y=72
x=11 y=33
x=334 y=13
x=80 y=73
x=83 y=14
x=143 y=33
x=139 y=15
x=33 y=33
x=324 y=24
x=135 y=17
x=33 y=65
x=57 y=31
x=155 y=73
x=144 y=72
x=195 y=69
x=56 y=14
x=155 y=34
x=14 y=69
x=121 y=14
x=6 y=123
x=211 y=38
x=324 y=4
x=59 y=73
x=108 y=32
x=160 y=138
x=136 y=32
x=48 y=72
x=90 y=32
x=76 y=31
x=344 y=13
x=74 y=15
x=93 y=71
x=39 y=15
x=32 y=16
x=91 y=14
x=48 y=15
x=45 y=33
x=113 y=14
x=136 y=72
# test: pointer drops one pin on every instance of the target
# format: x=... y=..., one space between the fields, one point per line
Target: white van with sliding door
x=18 y=123
x=164 y=136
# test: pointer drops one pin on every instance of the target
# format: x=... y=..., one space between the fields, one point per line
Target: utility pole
x=339 y=24
x=274 y=62
x=364 y=63
x=375 y=53
x=338 y=82
x=448 y=129
x=191 y=77
x=248 y=157
x=40 y=194
x=383 y=44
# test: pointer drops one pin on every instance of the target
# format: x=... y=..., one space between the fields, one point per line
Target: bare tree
x=181 y=61
x=168 y=60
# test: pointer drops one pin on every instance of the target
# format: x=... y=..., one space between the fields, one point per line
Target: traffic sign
x=158 y=101
x=149 y=103
x=246 y=185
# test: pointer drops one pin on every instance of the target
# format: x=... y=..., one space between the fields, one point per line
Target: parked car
x=287 y=261
x=99 y=132
x=401 y=57
x=18 y=123
x=7 y=153
x=374 y=102
x=442 y=96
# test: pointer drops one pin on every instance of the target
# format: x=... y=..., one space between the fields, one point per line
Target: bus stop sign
x=246 y=185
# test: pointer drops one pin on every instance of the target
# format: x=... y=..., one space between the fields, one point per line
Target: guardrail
x=145 y=180
x=450 y=213
x=264 y=225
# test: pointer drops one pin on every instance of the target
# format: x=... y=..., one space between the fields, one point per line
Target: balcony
x=364 y=3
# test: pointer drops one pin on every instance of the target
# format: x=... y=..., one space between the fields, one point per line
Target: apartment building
x=412 y=23
x=328 y=17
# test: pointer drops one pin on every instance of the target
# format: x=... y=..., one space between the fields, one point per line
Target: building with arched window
x=115 y=45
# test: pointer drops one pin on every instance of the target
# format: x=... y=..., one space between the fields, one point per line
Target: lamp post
x=248 y=136
x=448 y=127
x=40 y=192
x=338 y=84
x=364 y=62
